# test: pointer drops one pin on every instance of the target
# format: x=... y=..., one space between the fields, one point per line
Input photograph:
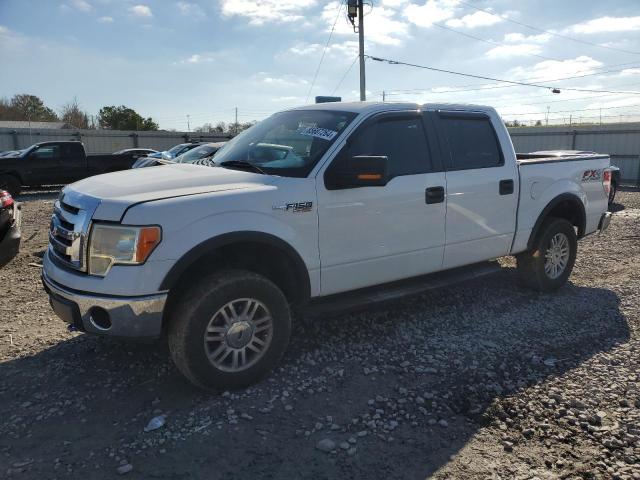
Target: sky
x=205 y=58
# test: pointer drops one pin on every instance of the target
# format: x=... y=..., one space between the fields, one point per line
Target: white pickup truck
x=311 y=203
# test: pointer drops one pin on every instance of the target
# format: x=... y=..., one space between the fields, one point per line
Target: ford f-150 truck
x=310 y=204
x=55 y=163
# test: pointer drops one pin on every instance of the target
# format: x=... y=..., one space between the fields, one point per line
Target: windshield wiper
x=241 y=164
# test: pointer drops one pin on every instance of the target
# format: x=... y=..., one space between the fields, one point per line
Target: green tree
x=124 y=118
x=26 y=107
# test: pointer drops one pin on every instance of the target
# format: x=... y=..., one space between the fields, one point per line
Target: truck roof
x=369 y=107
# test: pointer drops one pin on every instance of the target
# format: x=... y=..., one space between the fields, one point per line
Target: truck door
x=73 y=161
x=44 y=165
x=482 y=188
x=376 y=234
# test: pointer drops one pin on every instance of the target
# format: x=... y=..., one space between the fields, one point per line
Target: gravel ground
x=479 y=380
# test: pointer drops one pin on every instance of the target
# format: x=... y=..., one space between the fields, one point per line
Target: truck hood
x=119 y=190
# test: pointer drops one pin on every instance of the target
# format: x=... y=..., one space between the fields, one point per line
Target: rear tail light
x=6 y=200
x=606 y=181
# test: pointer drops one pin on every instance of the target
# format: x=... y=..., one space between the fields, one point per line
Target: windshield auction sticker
x=318 y=132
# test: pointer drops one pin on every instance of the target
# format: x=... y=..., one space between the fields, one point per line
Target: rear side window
x=471 y=143
x=402 y=140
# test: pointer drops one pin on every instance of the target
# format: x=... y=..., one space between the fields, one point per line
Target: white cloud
x=383 y=25
x=393 y=3
x=281 y=81
x=473 y=20
x=338 y=51
x=552 y=69
x=433 y=11
x=629 y=71
x=520 y=38
x=607 y=24
x=264 y=11
x=190 y=9
x=507 y=51
x=81 y=5
x=197 y=58
x=141 y=11
x=105 y=19
x=620 y=102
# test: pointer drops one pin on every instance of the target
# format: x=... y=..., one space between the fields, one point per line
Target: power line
x=345 y=75
x=324 y=51
x=566 y=37
x=490 y=87
x=574 y=111
x=481 y=77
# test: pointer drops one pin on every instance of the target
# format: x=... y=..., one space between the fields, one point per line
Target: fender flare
x=188 y=259
x=574 y=200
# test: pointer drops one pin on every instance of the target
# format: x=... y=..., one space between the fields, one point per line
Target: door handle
x=506 y=187
x=434 y=195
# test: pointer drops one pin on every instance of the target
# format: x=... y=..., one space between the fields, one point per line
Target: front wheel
x=612 y=193
x=229 y=330
x=548 y=265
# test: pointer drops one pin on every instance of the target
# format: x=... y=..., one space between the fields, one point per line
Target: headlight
x=120 y=245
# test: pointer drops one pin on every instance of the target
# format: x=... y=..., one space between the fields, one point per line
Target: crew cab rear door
x=376 y=234
x=482 y=186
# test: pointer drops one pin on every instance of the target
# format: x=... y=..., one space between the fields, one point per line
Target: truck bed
x=545 y=176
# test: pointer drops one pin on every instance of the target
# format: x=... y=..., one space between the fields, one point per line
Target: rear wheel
x=230 y=330
x=10 y=183
x=548 y=265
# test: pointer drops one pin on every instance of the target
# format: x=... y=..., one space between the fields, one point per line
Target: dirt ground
x=479 y=380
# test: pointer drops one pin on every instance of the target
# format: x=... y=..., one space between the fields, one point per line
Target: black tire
x=612 y=193
x=11 y=184
x=531 y=264
x=189 y=320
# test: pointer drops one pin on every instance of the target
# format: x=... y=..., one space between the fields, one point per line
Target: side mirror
x=358 y=171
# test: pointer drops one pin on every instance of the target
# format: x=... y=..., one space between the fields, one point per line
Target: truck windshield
x=287 y=143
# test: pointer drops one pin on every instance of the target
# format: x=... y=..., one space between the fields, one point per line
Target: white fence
x=101 y=141
x=621 y=141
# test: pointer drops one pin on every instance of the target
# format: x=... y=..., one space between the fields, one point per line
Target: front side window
x=471 y=143
x=401 y=139
x=287 y=143
x=50 y=152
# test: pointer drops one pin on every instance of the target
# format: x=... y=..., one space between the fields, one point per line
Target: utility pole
x=384 y=95
x=188 y=124
x=236 y=124
x=363 y=93
x=547 y=119
x=355 y=8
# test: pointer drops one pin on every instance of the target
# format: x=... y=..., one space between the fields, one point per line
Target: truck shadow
x=459 y=349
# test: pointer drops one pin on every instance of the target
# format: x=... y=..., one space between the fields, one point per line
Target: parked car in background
x=201 y=155
x=136 y=153
x=615 y=171
x=10 y=217
x=311 y=203
x=173 y=152
x=55 y=163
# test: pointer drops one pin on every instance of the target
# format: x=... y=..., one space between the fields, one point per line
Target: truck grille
x=68 y=231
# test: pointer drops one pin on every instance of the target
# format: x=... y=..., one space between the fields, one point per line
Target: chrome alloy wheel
x=557 y=256
x=238 y=334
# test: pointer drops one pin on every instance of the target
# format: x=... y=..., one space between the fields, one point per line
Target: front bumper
x=136 y=317
x=604 y=221
x=10 y=244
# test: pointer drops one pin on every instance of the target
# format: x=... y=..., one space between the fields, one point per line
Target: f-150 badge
x=297 y=207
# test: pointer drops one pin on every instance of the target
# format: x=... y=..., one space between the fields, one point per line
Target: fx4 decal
x=297 y=207
x=591 y=175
